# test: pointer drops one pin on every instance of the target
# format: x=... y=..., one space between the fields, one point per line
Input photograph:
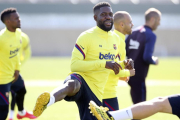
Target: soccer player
x=25 y=53
x=140 y=46
x=123 y=26
x=11 y=42
x=169 y=104
x=91 y=62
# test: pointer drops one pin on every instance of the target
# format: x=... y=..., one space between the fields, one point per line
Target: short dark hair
x=151 y=12
x=6 y=12
x=99 y=5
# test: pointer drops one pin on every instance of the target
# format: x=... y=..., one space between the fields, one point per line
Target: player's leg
x=71 y=86
x=82 y=99
x=13 y=102
x=4 y=100
x=138 y=89
x=145 y=109
x=20 y=91
x=111 y=103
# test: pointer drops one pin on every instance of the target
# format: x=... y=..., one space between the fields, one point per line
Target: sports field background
x=45 y=73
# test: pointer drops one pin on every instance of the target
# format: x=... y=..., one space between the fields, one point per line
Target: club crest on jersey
x=114 y=45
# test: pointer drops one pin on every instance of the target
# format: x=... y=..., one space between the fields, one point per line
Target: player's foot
x=99 y=112
x=41 y=103
x=27 y=115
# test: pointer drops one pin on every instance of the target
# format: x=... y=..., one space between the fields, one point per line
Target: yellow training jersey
x=93 y=48
x=25 y=51
x=10 y=44
x=110 y=90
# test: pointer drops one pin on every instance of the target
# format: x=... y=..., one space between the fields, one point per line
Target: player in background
x=140 y=46
x=25 y=54
x=168 y=104
x=11 y=41
x=123 y=26
x=91 y=62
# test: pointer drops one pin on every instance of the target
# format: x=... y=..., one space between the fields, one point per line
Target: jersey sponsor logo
x=133 y=44
x=13 y=53
x=108 y=56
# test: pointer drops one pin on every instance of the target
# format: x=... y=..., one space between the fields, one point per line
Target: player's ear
x=95 y=17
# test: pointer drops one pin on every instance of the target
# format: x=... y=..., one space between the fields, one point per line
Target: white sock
x=22 y=113
x=51 y=100
x=11 y=114
x=122 y=114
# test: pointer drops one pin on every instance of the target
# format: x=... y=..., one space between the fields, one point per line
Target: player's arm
x=78 y=63
x=148 y=51
x=26 y=49
x=17 y=68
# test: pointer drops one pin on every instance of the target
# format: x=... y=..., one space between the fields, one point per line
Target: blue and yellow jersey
x=93 y=48
x=25 y=51
x=110 y=90
x=10 y=44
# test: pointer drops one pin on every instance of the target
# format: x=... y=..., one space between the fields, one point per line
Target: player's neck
x=10 y=29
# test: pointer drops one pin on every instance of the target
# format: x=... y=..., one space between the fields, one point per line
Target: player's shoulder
x=87 y=33
x=2 y=33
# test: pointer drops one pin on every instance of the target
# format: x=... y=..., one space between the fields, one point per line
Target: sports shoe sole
x=92 y=107
x=41 y=104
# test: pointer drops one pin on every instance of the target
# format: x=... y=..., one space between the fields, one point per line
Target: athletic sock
x=51 y=100
x=11 y=114
x=22 y=113
x=122 y=114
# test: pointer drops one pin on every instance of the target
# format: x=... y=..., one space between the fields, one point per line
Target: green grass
x=48 y=68
x=57 y=69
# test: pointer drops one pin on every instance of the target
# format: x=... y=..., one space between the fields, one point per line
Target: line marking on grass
x=52 y=83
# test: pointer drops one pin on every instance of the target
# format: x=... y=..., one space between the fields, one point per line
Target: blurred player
x=11 y=42
x=140 y=46
x=25 y=54
x=123 y=26
x=92 y=60
x=169 y=104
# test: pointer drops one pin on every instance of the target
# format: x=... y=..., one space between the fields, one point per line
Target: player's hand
x=113 y=66
x=124 y=79
x=129 y=64
x=132 y=72
x=16 y=75
x=156 y=60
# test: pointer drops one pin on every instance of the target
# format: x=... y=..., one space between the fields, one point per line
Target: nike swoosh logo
x=81 y=47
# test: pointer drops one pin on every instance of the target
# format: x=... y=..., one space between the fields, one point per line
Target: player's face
x=157 y=22
x=105 y=18
x=128 y=25
x=14 y=21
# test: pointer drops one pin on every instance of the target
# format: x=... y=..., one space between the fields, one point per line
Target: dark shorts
x=174 y=101
x=19 y=84
x=83 y=97
x=111 y=103
x=4 y=93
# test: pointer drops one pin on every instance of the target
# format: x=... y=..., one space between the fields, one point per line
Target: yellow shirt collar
x=120 y=34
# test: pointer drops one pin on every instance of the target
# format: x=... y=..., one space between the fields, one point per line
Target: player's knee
x=73 y=86
x=160 y=103
x=21 y=92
